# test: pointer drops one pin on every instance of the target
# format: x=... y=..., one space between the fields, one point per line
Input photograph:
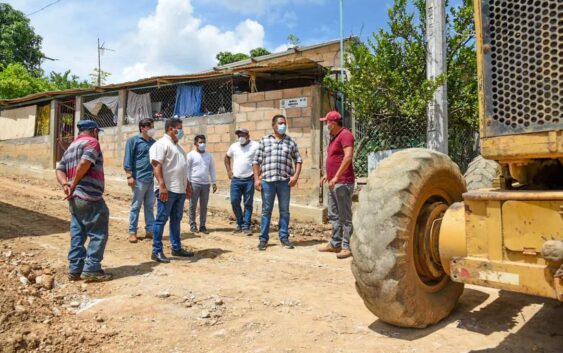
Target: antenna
x=101 y=50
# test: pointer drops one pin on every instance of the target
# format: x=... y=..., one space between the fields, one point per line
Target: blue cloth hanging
x=188 y=100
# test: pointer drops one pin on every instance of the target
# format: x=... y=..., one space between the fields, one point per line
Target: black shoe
x=286 y=244
x=262 y=246
x=193 y=229
x=74 y=276
x=247 y=232
x=182 y=253
x=98 y=276
x=238 y=229
x=160 y=258
x=203 y=230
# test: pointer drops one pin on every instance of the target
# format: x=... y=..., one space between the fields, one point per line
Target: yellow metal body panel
x=547 y=144
x=503 y=245
x=526 y=226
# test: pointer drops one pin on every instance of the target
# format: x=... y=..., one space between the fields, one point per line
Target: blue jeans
x=173 y=209
x=143 y=193
x=242 y=189
x=88 y=219
x=270 y=190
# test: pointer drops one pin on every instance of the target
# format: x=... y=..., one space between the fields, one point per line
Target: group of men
x=162 y=171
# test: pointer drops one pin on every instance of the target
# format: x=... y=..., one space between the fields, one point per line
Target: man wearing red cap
x=341 y=179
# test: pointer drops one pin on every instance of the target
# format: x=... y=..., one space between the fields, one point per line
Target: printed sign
x=300 y=102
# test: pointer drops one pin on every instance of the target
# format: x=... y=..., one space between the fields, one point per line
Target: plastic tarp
x=94 y=106
x=188 y=100
x=138 y=107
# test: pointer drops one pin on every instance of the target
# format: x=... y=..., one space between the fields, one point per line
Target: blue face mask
x=282 y=129
x=179 y=133
x=201 y=147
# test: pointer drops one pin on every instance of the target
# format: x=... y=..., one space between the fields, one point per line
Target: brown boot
x=328 y=248
x=148 y=235
x=132 y=238
x=344 y=253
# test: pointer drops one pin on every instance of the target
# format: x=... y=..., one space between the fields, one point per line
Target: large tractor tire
x=481 y=173
x=395 y=244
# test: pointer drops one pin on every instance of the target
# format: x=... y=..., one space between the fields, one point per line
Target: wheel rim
x=425 y=249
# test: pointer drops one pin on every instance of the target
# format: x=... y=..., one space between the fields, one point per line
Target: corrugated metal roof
x=219 y=71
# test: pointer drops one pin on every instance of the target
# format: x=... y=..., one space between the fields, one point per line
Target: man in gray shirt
x=201 y=177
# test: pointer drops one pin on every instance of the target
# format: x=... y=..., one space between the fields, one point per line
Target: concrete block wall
x=30 y=151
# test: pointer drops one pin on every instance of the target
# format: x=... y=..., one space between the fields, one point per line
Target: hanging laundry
x=188 y=100
x=138 y=107
x=94 y=106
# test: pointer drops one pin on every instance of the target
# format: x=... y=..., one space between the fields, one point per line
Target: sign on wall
x=300 y=102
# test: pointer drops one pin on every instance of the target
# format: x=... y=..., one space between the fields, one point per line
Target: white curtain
x=138 y=107
x=95 y=105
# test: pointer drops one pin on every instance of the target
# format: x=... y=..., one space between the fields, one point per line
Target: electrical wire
x=43 y=8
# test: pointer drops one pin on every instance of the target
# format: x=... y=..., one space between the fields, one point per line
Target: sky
x=165 y=37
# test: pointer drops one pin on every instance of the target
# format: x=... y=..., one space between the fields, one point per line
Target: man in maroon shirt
x=340 y=177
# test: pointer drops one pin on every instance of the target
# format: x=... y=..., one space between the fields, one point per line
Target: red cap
x=332 y=116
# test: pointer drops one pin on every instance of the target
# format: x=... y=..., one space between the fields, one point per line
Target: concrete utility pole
x=342 y=54
x=436 y=64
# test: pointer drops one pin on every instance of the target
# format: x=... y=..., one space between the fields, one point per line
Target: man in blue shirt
x=139 y=172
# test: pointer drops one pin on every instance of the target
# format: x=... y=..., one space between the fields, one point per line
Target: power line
x=43 y=8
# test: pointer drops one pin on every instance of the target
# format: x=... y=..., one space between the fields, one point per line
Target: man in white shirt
x=242 y=178
x=171 y=187
x=201 y=176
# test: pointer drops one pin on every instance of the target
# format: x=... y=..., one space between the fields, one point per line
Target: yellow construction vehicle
x=419 y=235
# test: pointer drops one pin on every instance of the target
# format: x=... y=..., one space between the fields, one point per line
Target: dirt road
x=228 y=298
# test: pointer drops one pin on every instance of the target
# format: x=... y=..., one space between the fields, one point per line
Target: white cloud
x=174 y=40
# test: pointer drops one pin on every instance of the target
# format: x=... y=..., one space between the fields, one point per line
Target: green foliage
x=388 y=90
x=18 y=41
x=293 y=40
x=258 y=52
x=16 y=81
x=226 y=57
x=94 y=77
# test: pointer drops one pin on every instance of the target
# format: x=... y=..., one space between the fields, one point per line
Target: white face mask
x=151 y=132
x=242 y=140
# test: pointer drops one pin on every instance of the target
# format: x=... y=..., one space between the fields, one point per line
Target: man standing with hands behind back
x=340 y=177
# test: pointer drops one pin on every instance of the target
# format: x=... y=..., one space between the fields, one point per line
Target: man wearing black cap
x=242 y=180
x=81 y=175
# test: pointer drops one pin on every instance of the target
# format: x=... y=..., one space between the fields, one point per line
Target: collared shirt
x=172 y=158
x=335 y=156
x=136 y=158
x=276 y=158
x=91 y=186
x=242 y=158
x=201 y=168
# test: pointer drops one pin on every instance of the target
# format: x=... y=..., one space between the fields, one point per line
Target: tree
x=258 y=52
x=388 y=90
x=66 y=80
x=16 y=81
x=226 y=57
x=94 y=77
x=293 y=40
x=18 y=41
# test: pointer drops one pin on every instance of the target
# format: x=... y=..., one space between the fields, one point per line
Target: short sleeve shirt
x=91 y=186
x=276 y=158
x=242 y=158
x=172 y=158
x=335 y=156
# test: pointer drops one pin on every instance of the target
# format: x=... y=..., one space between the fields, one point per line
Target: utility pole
x=101 y=49
x=436 y=65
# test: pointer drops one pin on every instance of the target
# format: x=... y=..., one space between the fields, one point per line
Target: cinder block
x=247 y=107
x=250 y=125
x=306 y=91
x=240 y=98
x=263 y=125
x=222 y=147
x=221 y=129
x=299 y=122
x=272 y=95
x=256 y=97
x=293 y=112
x=212 y=138
x=292 y=92
x=267 y=104
x=307 y=111
x=240 y=117
x=255 y=115
x=227 y=138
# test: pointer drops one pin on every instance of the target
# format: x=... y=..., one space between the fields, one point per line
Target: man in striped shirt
x=81 y=174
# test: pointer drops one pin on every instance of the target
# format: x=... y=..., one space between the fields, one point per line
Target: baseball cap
x=332 y=116
x=242 y=131
x=87 y=125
